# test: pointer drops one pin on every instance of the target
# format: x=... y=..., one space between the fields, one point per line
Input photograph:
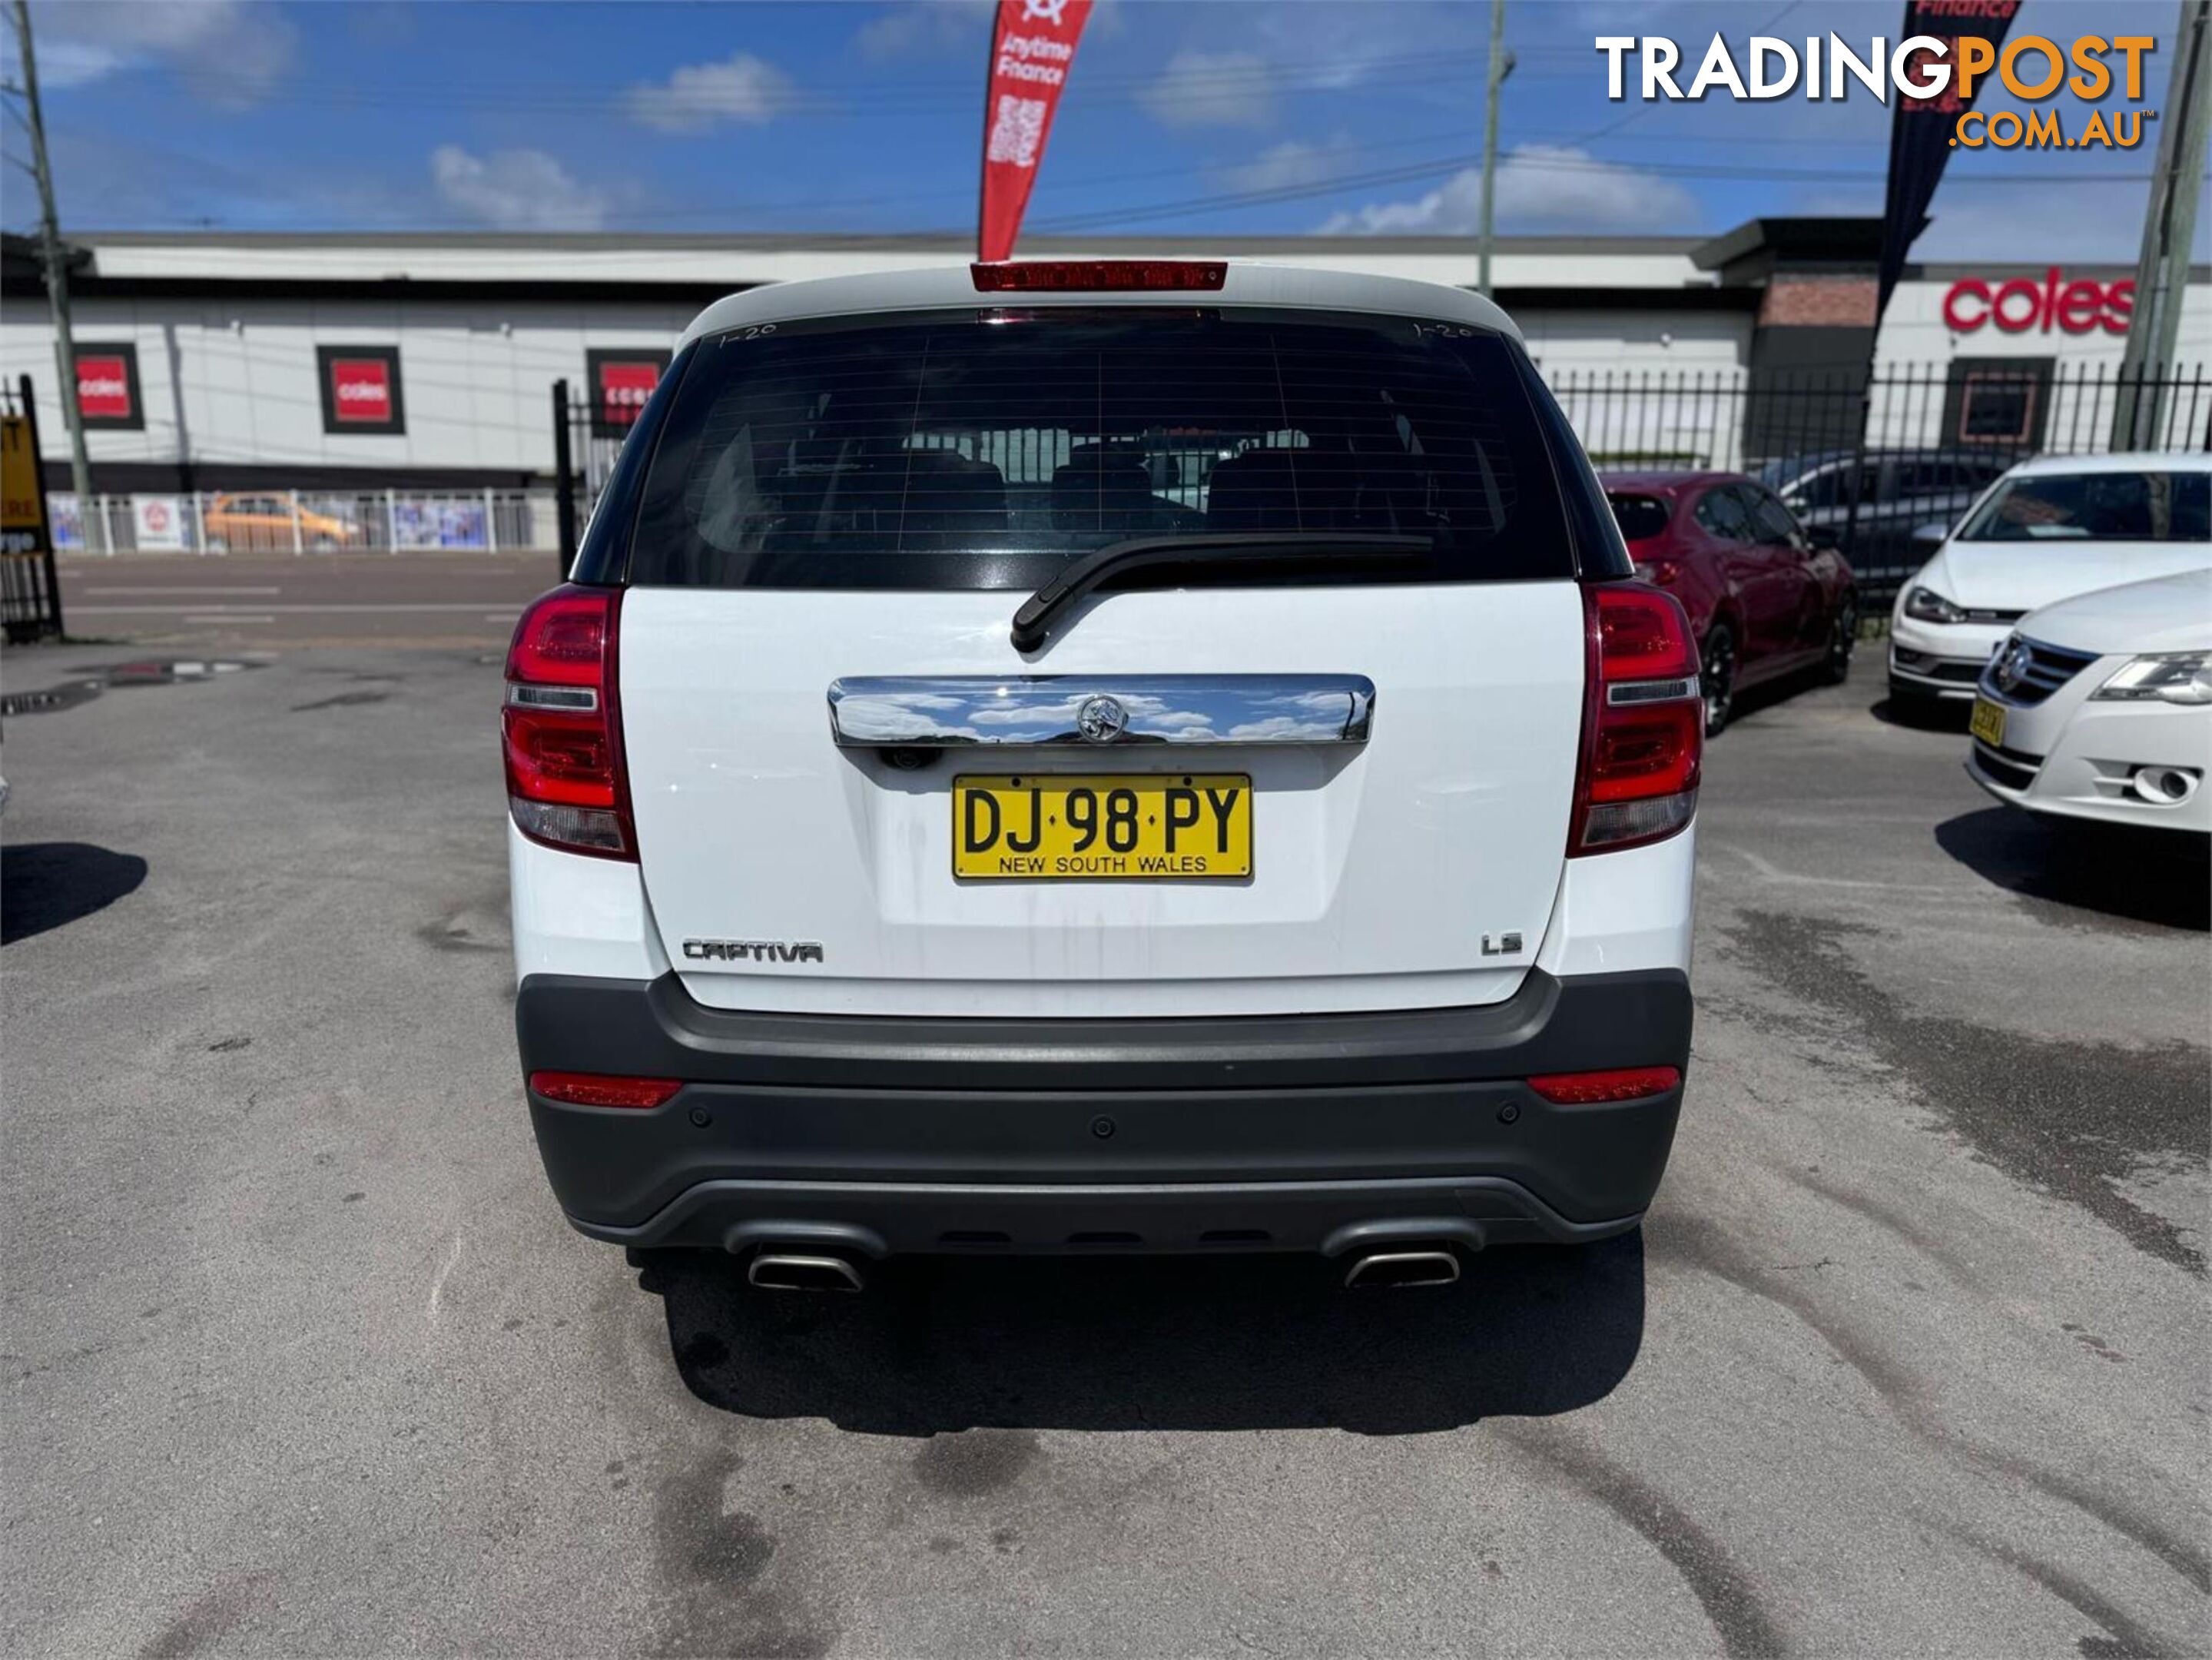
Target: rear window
x=2097 y=506
x=1641 y=517
x=985 y=449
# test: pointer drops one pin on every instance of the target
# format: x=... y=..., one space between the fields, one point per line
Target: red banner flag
x=1032 y=49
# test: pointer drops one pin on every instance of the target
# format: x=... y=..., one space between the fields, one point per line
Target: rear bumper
x=1286 y=1133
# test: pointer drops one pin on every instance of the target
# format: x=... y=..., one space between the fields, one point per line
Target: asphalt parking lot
x=1909 y=1359
x=252 y=602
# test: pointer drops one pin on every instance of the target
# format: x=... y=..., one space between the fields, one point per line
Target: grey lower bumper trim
x=1051 y=1135
x=881 y=1219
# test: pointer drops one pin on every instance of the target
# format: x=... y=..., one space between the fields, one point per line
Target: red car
x=1766 y=596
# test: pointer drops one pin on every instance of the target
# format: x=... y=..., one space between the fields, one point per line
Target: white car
x=1138 y=756
x=2101 y=708
x=2046 y=531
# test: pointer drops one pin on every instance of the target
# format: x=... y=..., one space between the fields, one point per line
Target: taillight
x=593 y=1089
x=1644 y=720
x=1099 y=276
x=562 y=733
x=1572 y=1089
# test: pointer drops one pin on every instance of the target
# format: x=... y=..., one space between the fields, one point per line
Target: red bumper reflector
x=1099 y=276
x=1622 y=1083
x=591 y=1089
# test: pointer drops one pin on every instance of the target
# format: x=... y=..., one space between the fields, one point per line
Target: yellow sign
x=22 y=503
x=1062 y=826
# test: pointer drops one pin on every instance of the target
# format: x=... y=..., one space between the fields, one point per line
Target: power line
x=1237 y=201
x=1124 y=86
x=1382 y=75
x=818 y=204
x=1440 y=167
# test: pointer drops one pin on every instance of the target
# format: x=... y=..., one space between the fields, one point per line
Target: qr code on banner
x=1017 y=130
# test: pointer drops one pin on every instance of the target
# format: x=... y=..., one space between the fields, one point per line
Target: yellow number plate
x=1107 y=827
x=1988 y=722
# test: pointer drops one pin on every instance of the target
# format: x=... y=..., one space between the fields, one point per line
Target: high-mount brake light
x=1644 y=720
x=1100 y=275
x=1571 y=1089
x=561 y=729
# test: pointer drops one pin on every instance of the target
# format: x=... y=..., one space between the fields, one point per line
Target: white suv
x=1135 y=756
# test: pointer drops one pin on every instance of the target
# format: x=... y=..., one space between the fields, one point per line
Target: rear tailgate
x=1379 y=867
x=843 y=499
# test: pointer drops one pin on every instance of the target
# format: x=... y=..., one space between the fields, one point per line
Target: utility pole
x=93 y=526
x=2169 y=228
x=1499 y=69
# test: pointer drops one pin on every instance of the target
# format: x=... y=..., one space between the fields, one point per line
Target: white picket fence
x=308 y=522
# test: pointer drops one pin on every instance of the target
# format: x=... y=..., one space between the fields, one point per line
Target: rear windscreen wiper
x=1352 y=549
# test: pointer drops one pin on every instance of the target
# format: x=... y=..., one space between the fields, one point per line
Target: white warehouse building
x=222 y=361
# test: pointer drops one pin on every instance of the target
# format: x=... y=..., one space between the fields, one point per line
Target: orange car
x=264 y=524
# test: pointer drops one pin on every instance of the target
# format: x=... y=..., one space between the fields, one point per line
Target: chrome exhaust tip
x=787 y=1271
x=1403 y=1268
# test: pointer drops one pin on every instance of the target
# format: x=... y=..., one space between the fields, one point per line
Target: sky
x=1348 y=117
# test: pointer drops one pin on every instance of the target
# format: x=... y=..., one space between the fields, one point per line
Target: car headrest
x=1259 y=489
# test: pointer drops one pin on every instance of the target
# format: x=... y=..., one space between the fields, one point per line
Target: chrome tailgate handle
x=949 y=711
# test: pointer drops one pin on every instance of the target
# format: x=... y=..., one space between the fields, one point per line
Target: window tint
x=1641 y=517
x=1832 y=486
x=2097 y=507
x=985 y=449
x=1770 y=519
x=1944 y=474
x=1720 y=512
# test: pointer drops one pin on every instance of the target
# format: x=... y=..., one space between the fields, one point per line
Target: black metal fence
x=588 y=436
x=1875 y=458
x=1934 y=434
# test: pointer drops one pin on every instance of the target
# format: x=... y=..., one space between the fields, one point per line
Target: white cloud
x=65 y=63
x=924 y=25
x=917 y=27
x=228 y=51
x=1540 y=188
x=1337 y=46
x=515 y=190
x=1211 y=89
x=1286 y=166
x=699 y=97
